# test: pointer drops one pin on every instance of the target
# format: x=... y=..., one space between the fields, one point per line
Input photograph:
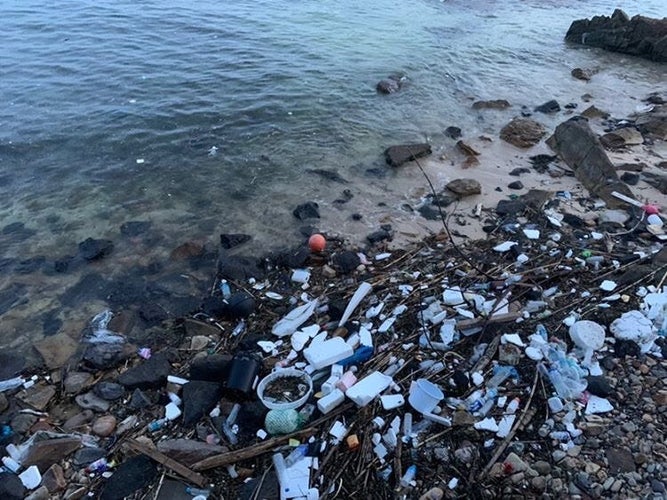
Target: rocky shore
x=511 y=346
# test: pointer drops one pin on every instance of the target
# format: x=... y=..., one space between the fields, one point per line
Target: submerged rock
x=453 y=132
x=231 y=240
x=56 y=350
x=308 y=210
x=398 y=155
x=639 y=35
x=548 y=107
x=391 y=84
x=493 y=104
x=95 y=249
x=582 y=74
x=134 y=228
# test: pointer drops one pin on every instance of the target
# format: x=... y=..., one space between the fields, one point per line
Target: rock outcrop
x=579 y=147
x=640 y=36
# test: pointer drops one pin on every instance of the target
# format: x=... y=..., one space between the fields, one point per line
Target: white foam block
x=368 y=388
x=328 y=352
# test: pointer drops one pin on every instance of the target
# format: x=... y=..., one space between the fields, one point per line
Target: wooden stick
x=510 y=436
x=169 y=463
x=234 y=456
x=496 y=318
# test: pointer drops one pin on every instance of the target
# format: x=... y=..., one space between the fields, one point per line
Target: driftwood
x=169 y=463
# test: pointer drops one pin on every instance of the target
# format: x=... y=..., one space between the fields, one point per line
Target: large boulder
x=579 y=147
x=522 y=132
x=639 y=36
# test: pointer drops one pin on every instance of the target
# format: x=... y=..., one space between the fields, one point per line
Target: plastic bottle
x=239 y=328
x=197 y=492
x=297 y=454
x=156 y=425
x=225 y=289
x=500 y=374
x=409 y=476
x=99 y=465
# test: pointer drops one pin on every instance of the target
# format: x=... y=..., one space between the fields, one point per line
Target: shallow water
x=205 y=119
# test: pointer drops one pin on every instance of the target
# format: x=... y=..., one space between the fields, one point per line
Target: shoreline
x=399 y=209
x=503 y=286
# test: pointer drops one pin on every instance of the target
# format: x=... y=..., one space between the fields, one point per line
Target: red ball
x=316 y=243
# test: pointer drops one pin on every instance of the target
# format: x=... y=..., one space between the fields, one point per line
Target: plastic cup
x=424 y=395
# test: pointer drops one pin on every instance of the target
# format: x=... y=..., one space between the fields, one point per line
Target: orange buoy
x=316 y=243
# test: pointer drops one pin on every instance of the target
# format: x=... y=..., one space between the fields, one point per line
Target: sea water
x=208 y=117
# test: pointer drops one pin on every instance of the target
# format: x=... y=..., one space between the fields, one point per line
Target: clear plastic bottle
x=500 y=374
x=409 y=476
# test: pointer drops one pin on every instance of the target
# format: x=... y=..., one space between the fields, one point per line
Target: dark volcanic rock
x=139 y=400
x=548 y=107
x=390 y=85
x=453 y=132
x=599 y=386
x=103 y=356
x=346 y=261
x=630 y=178
x=620 y=460
x=241 y=305
x=109 y=390
x=639 y=36
x=581 y=74
x=11 y=487
x=239 y=268
x=429 y=212
x=518 y=171
x=624 y=348
x=152 y=314
x=199 y=398
x=293 y=257
x=541 y=162
x=510 y=207
x=308 y=210
x=215 y=306
x=378 y=236
x=87 y=455
x=149 y=374
x=94 y=249
x=515 y=185
x=398 y=155
x=132 y=475
x=231 y=240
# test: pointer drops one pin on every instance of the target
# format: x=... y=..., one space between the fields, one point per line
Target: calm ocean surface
x=204 y=117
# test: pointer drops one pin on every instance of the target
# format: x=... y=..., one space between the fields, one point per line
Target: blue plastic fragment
x=362 y=354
